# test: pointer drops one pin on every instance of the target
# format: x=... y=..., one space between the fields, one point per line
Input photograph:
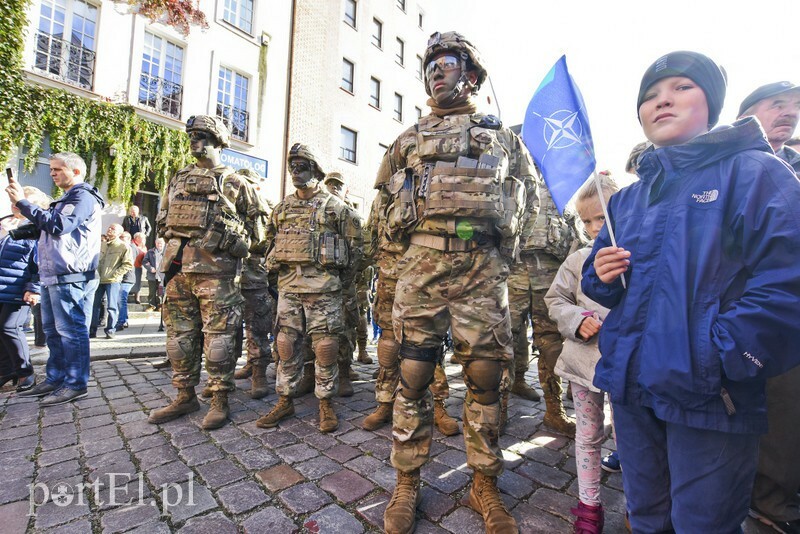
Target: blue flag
x=556 y=132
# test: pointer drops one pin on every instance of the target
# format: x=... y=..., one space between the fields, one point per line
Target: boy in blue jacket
x=709 y=243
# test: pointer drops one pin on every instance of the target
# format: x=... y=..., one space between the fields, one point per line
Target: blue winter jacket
x=710 y=309
x=69 y=243
x=17 y=269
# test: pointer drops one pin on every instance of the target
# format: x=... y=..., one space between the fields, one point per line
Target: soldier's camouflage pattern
x=458 y=186
x=213 y=211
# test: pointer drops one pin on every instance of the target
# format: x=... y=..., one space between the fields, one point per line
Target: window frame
x=236 y=75
x=400 y=55
x=237 y=15
x=343 y=149
x=68 y=28
x=401 y=5
x=373 y=83
x=398 y=111
x=377 y=24
x=346 y=18
x=420 y=67
x=162 y=63
x=352 y=79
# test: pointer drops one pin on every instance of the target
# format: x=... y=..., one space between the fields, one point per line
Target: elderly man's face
x=779 y=116
x=134 y=211
x=159 y=244
x=113 y=232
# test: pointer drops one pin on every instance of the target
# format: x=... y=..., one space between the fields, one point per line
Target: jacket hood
x=704 y=150
x=91 y=189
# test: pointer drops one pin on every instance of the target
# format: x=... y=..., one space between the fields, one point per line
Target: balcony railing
x=234 y=118
x=66 y=61
x=161 y=95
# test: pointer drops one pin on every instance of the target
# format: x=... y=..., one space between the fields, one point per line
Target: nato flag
x=556 y=132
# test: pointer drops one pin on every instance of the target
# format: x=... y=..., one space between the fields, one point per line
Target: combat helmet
x=211 y=125
x=458 y=44
x=300 y=150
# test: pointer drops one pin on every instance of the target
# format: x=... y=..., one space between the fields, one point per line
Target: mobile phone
x=9 y=174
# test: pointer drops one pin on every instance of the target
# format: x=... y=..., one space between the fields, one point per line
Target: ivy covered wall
x=87 y=127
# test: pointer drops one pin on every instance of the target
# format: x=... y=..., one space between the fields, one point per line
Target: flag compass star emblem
x=562 y=129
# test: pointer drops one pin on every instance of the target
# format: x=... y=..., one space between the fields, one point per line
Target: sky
x=610 y=43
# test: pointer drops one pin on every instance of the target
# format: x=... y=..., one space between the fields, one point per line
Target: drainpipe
x=288 y=100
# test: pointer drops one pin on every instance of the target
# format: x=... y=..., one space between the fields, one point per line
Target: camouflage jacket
x=317 y=244
x=547 y=230
x=457 y=156
x=254 y=273
x=196 y=202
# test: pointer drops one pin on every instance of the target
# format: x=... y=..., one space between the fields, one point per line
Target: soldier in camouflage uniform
x=386 y=253
x=314 y=248
x=458 y=191
x=208 y=218
x=542 y=253
x=362 y=298
x=335 y=184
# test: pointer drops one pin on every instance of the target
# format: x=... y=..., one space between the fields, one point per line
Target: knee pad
x=388 y=351
x=326 y=349
x=483 y=380
x=220 y=349
x=177 y=350
x=286 y=341
x=415 y=377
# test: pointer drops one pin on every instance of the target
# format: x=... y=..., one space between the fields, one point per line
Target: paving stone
x=58 y=472
x=270 y=519
x=333 y=519
x=356 y=437
x=15 y=470
x=277 y=439
x=168 y=473
x=296 y=453
x=127 y=517
x=426 y=527
x=515 y=485
x=109 y=458
x=242 y=496
x=25 y=444
x=304 y=498
x=435 y=504
x=530 y=518
x=462 y=520
x=453 y=459
x=88 y=423
x=342 y=453
x=154 y=457
x=57 y=456
x=119 y=469
x=544 y=475
x=372 y=509
x=443 y=478
x=56 y=441
x=18 y=432
x=240 y=445
x=50 y=515
x=187 y=439
x=378 y=448
x=93 y=410
x=81 y=526
x=215 y=523
x=100 y=433
x=14 y=517
x=121 y=491
x=147 y=442
x=320 y=441
x=538 y=454
x=130 y=416
x=137 y=429
x=200 y=454
x=553 y=502
x=257 y=459
x=220 y=473
x=186 y=500
x=226 y=433
x=15 y=490
x=318 y=467
x=279 y=477
x=346 y=486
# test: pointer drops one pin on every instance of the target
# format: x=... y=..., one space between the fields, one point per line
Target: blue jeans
x=682 y=479
x=66 y=314
x=124 y=289
x=111 y=292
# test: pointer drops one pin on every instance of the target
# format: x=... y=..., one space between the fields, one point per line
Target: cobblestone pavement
x=98 y=466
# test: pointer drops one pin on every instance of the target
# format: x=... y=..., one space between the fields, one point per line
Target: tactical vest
x=304 y=235
x=458 y=169
x=193 y=202
x=551 y=232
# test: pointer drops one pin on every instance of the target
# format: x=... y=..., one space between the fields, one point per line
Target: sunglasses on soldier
x=198 y=136
x=446 y=62
x=300 y=166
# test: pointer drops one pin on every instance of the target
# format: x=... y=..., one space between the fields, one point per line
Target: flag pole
x=608 y=218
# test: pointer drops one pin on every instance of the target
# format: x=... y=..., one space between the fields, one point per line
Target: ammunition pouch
x=187 y=213
x=332 y=251
x=292 y=248
x=402 y=213
x=226 y=234
x=465 y=192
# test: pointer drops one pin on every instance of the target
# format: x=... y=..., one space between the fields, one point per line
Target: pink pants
x=589 y=436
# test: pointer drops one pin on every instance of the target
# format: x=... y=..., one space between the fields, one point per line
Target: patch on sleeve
x=68 y=210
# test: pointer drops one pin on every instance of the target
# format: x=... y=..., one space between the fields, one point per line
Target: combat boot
x=400 y=515
x=503 y=412
x=244 y=372
x=306 y=384
x=258 y=382
x=327 y=417
x=218 y=413
x=569 y=390
x=363 y=357
x=446 y=424
x=523 y=390
x=484 y=498
x=185 y=402
x=345 y=386
x=555 y=417
x=381 y=415
x=164 y=364
x=283 y=409
x=206 y=393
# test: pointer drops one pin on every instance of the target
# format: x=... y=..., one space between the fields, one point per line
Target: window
x=348 y=70
x=240 y=14
x=420 y=67
x=232 y=94
x=420 y=19
x=377 y=33
x=350 y=12
x=160 y=81
x=348 y=145
x=419 y=112
x=375 y=93
x=402 y=5
x=401 y=51
x=65 y=41
x=398 y=107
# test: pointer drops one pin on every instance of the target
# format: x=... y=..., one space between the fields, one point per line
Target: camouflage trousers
x=467 y=293
x=542 y=268
x=316 y=316
x=389 y=376
x=362 y=328
x=202 y=314
x=347 y=341
x=259 y=310
x=519 y=305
